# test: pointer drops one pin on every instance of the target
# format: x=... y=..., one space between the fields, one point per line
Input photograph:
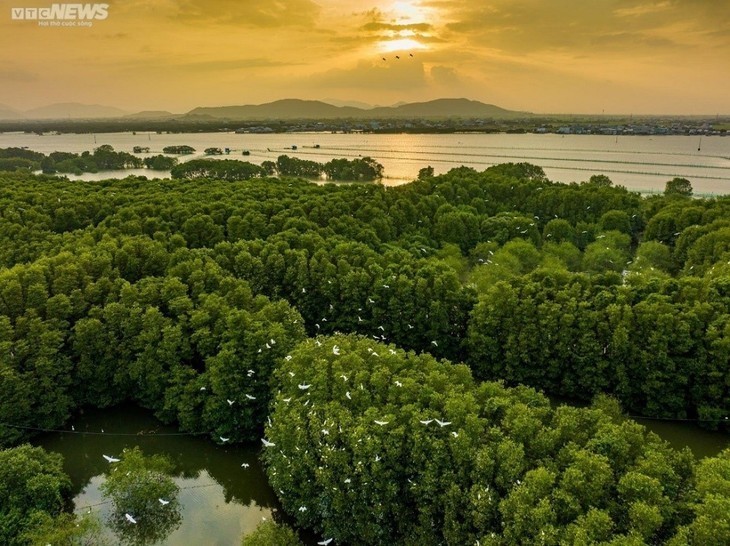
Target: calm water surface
x=641 y=163
x=220 y=500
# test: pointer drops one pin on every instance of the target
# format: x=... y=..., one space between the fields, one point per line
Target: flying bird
x=381 y=423
x=303 y=386
x=130 y=519
x=325 y=542
x=267 y=443
x=164 y=502
x=230 y=402
x=336 y=350
x=250 y=397
x=426 y=422
x=244 y=465
x=111 y=459
x=443 y=423
x=224 y=440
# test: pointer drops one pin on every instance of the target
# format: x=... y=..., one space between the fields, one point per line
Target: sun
x=411 y=12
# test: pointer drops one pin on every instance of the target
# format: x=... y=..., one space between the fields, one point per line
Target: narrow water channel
x=220 y=500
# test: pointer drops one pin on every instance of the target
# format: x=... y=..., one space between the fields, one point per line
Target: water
x=641 y=163
x=220 y=501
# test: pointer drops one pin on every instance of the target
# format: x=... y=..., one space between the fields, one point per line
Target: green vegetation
x=270 y=533
x=188 y=296
x=137 y=487
x=180 y=150
x=32 y=487
x=387 y=447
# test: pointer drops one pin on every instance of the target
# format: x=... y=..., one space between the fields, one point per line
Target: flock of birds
x=304 y=386
x=397 y=57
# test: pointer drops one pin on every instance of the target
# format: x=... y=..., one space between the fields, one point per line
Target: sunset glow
x=613 y=56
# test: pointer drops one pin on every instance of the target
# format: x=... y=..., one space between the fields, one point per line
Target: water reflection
x=219 y=499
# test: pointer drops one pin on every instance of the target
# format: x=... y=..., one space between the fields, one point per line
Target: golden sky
x=547 y=56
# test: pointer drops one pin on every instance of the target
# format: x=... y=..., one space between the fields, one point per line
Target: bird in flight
x=426 y=422
x=304 y=386
x=244 y=465
x=111 y=459
x=230 y=402
x=164 y=502
x=250 y=397
x=267 y=443
x=130 y=519
x=443 y=423
x=325 y=542
x=336 y=350
x=381 y=423
x=224 y=440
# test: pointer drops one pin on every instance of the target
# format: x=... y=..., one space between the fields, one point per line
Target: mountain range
x=285 y=109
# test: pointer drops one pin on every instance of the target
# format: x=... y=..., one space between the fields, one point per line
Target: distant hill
x=311 y=109
x=73 y=110
x=443 y=108
x=8 y=113
x=152 y=114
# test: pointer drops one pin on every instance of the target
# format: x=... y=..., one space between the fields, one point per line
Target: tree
x=32 y=484
x=678 y=186
x=135 y=486
x=270 y=533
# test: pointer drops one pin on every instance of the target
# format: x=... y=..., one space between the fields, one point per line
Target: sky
x=543 y=56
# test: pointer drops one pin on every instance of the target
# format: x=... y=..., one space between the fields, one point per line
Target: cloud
x=390 y=76
x=253 y=13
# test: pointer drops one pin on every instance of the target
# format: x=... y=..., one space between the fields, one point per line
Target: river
x=220 y=500
x=641 y=163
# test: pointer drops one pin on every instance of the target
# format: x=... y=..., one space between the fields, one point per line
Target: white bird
x=443 y=423
x=130 y=519
x=272 y=341
x=202 y=388
x=455 y=434
x=268 y=346
x=245 y=465
x=287 y=400
x=291 y=374
x=391 y=351
x=224 y=440
x=267 y=443
x=344 y=377
x=348 y=395
x=381 y=423
x=287 y=358
x=434 y=343
x=426 y=422
x=381 y=328
x=250 y=372
x=302 y=508
x=164 y=502
x=250 y=397
x=359 y=318
x=304 y=386
x=336 y=350
x=398 y=384
x=111 y=459
x=230 y=402
x=410 y=326
x=325 y=542
x=348 y=480
x=371 y=300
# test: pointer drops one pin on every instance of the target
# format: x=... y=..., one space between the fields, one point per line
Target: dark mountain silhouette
x=310 y=109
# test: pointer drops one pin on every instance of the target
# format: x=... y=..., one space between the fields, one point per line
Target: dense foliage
x=32 y=487
x=184 y=296
x=371 y=445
